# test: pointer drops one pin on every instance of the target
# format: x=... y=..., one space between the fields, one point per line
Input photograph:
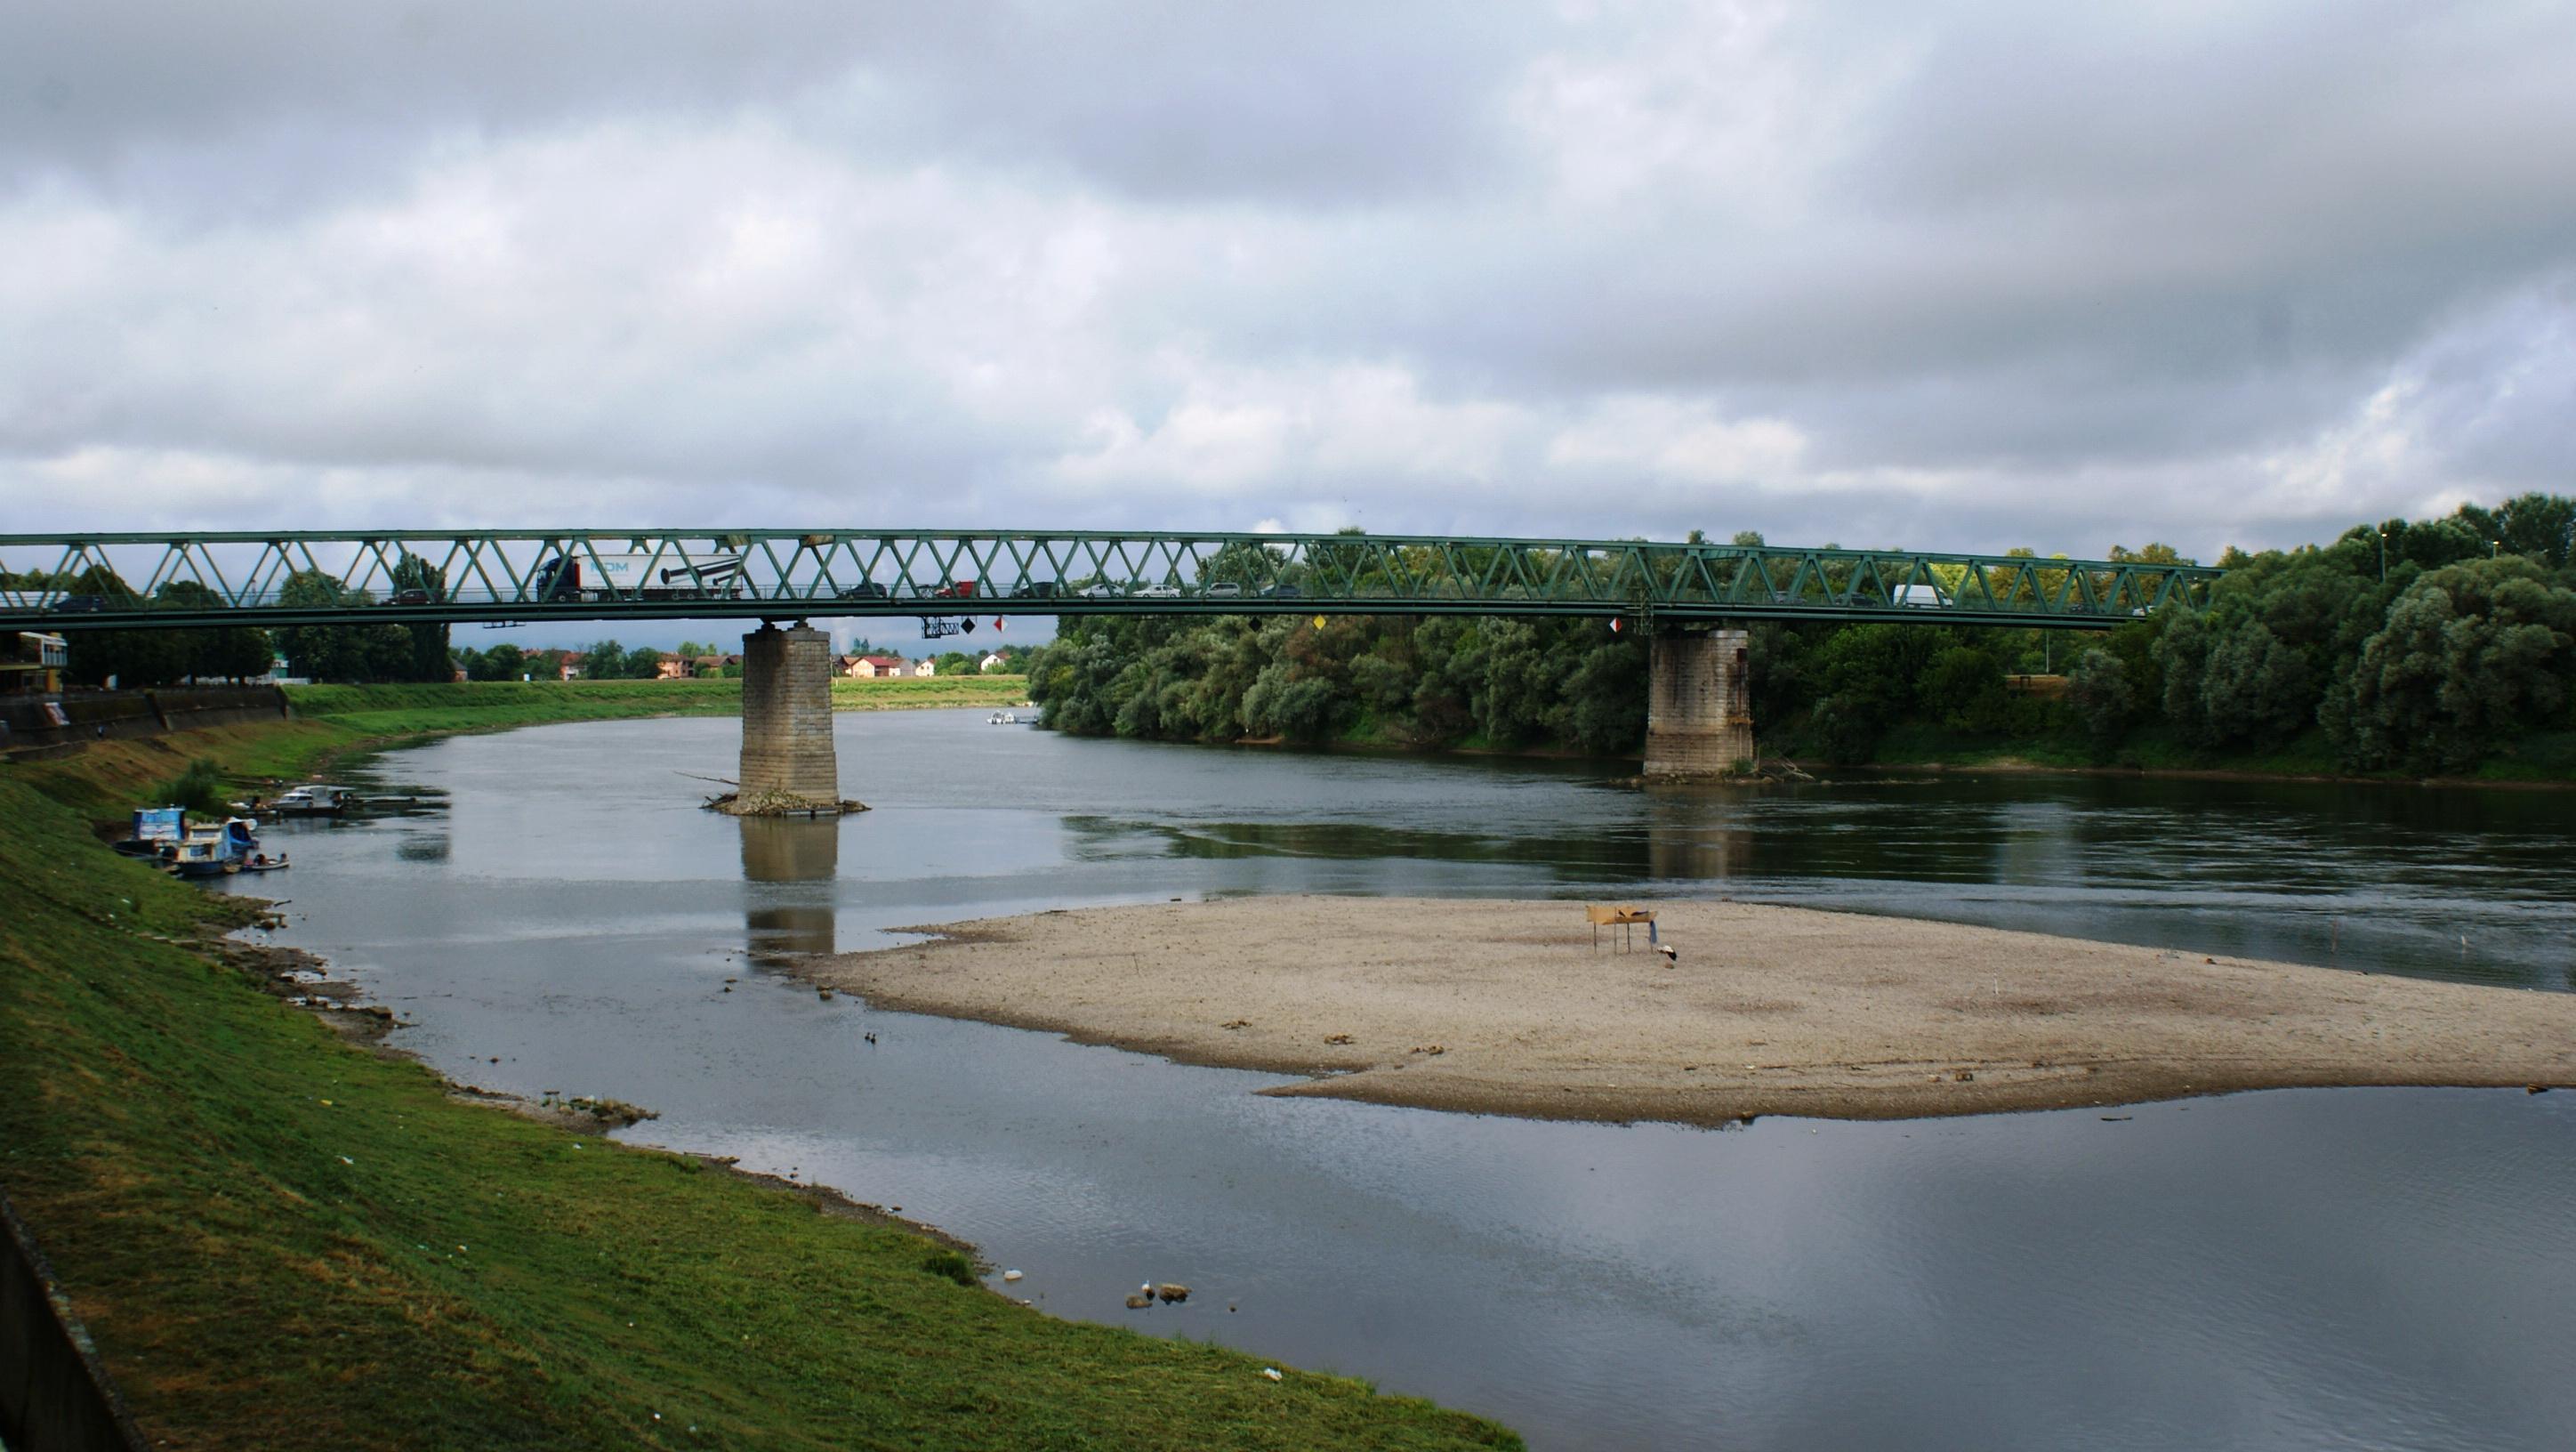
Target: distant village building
x=688 y=667
x=925 y=667
x=872 y=667
x=992 y=662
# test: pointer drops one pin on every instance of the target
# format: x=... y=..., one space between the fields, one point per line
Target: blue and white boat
x=214 y=851
x=154 y=829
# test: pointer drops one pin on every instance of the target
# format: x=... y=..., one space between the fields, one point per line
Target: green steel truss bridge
x=91 y=581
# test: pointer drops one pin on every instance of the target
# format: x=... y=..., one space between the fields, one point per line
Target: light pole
x=2383 y=557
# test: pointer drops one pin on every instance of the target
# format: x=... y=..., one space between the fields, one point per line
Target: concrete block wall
x=787 y=716
x=132 y=715
x=1699 y=710
x=54 y=1396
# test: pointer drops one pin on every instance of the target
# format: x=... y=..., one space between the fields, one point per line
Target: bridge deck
x=126 y=580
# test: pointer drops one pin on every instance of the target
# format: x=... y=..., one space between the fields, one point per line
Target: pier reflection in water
x=788 y=864
x=2291 y=1270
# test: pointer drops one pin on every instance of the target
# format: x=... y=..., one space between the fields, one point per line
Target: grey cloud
x=272 y=103
x=2010 y=273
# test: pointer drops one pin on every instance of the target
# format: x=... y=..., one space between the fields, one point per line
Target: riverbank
x=2541 y=763
x=394 y=710
x=280 y=1239
x=1507 y=1008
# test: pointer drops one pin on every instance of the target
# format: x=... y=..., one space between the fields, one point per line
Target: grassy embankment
x=394 y=711
x=283 y=1240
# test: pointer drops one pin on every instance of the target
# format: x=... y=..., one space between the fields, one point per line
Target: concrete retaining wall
x=125 y=715
x=53 y=1395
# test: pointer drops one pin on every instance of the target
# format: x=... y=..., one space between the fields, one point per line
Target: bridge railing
x=301 y=578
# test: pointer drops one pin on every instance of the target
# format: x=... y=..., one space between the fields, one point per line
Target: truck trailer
x=601 y=576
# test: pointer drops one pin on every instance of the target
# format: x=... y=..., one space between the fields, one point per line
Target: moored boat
x=314 y=801
x=216 y=851
x=203 y=857
x=154 y=828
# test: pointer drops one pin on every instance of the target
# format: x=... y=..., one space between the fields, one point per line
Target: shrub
x=200 y=789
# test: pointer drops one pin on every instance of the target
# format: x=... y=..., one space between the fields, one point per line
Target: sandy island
x=1507 y=1008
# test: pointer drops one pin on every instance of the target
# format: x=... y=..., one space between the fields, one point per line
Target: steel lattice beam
x=95 y=581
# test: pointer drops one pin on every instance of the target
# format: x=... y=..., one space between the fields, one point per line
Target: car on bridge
x=867 y=590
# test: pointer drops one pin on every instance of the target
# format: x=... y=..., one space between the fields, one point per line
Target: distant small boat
x=261 y=862
x=314 y=801
x=1011 y=718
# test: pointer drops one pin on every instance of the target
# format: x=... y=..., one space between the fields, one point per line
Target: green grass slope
x=281 y=1240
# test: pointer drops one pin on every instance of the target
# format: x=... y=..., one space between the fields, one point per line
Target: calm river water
x=2355 y=1268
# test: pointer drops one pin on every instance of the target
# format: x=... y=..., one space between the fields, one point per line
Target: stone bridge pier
x=1699 y=707
x=788 y=763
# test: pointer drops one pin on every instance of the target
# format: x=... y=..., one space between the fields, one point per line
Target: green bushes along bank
x=2406 y=648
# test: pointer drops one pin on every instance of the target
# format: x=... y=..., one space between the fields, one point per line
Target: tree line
x=385 y=651
x=2422 y=646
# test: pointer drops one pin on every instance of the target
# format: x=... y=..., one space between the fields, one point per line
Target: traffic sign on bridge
x=88 y=581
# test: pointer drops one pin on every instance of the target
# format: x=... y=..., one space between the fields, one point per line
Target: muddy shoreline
x=302 y=980
x=1504 y=1007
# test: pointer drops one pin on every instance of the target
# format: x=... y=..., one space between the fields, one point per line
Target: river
x=2292 y=1269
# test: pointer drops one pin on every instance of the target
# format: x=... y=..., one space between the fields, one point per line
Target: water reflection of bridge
x=788 y=868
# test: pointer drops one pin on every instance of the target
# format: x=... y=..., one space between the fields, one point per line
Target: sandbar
x=1507 y=1007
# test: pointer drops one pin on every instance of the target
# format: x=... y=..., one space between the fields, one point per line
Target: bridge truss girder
x=93 y=581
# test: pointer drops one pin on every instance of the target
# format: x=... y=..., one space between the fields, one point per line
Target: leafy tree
x=2540 y=527
x=1964 y=685
x=2471 y=655
x=1608 y=692
x=2097 y=686
x=503 y=662
x=2255 y=689
x=351 y=652
x=2151 y=554
x=430 y=659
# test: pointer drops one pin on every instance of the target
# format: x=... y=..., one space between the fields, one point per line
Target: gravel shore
x=1506 y=1007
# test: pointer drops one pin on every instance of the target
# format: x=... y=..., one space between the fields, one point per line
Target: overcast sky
x=2049 y=274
